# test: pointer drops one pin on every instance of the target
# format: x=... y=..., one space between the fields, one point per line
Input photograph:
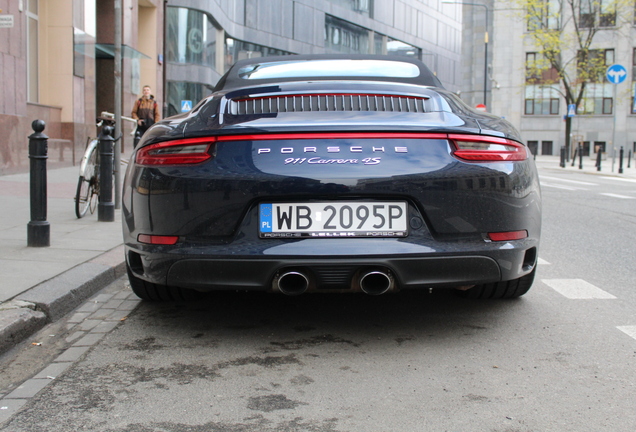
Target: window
x=179 y=91
x=592 y=64
x=330 y=68
x=544 y=14
x=396 y=47
x=343 y=36
x=602 y=12
x=539 y=70
x=599 y=146
x=607 y=16
x=542 y=95
x=533 y=146
x=364 y=7
x=597 y=99
x=33 y=87
x=598 y=95
x=191 y=37
x=239 y=50
x=586 y=14
x=546 y=147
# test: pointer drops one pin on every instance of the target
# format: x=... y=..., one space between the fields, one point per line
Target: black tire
x=87 y=187
x=154 y=292
x=501 y=290
x=83 y=197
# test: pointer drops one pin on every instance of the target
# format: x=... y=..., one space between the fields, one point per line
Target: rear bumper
x=329 y=273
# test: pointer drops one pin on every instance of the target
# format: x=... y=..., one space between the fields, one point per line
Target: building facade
x=57 y=65
x=204 y=37
x=57 y=57
x=605 y=119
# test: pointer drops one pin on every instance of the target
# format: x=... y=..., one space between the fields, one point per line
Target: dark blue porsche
x=331 y=173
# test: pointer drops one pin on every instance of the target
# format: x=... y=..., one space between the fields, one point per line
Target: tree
x=567 y=59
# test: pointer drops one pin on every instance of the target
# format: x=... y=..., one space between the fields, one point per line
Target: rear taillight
x=179 y=152
x=507 y=236
x=480 y=148
x=157 y=240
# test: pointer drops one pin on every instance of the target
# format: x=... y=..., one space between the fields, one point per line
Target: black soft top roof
x=327 y=67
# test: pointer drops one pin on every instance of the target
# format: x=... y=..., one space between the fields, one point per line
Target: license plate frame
x=333 y=219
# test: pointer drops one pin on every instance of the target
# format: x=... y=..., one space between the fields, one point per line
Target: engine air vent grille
x=327 y=103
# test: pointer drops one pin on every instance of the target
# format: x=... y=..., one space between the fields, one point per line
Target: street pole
x=117 y=162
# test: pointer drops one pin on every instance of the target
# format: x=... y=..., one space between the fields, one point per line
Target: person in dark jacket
x=146 y=112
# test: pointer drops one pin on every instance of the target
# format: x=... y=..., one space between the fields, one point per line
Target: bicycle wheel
x=86 y=192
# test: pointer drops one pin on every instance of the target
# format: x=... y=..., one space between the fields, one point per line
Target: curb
x=51 y=300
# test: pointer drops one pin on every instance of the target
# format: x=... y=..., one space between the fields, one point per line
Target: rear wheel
x=155 y=292
x=501 y=290
x=83 y=196
x=86 y=195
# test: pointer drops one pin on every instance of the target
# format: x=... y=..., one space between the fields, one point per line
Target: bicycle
x=87 y=194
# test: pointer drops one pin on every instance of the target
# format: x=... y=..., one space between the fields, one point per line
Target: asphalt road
x=559 y=359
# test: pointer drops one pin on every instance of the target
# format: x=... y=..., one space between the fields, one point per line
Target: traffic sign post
x=615 y=74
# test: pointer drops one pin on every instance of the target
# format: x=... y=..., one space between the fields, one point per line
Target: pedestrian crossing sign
x=571 y=110
x=186 y=106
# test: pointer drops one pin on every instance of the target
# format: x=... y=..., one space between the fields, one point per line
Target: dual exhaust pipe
x=373 y=282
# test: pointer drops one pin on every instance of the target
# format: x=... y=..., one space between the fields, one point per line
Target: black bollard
x=562 y=162
x=580 y=157
x=629 y=159
x=598 y=159
x=106 y=206
x=38 y=228
x=620 y=160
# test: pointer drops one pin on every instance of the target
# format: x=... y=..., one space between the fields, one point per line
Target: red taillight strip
x=159 y=154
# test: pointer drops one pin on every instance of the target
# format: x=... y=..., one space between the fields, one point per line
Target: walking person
x=146 y=112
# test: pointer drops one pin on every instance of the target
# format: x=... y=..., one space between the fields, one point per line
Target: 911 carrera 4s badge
x=333 y=219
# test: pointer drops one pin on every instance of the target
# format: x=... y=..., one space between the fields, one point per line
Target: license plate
x=333 y=219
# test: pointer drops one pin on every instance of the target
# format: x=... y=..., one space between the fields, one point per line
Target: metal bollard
x=620 y=161
x=38 y=228
x=629 y=159
x=598 y=159
x=106 y=206
x=580 y=157
x=562 y=163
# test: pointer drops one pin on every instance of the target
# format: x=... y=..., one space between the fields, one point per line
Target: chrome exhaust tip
x=376 y=282
x=292 y=283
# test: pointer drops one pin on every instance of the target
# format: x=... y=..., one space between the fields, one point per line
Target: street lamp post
x=485 y=39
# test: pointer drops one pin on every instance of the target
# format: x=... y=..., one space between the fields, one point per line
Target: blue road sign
x=571 y=110
x=186 y=105
x=616 y=74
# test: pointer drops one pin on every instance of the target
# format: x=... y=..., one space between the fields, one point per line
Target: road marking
x=620 y=179
x=560 y=187
x=577 y=289
x=542 y=262
x=618 y=196
x=568 y=180
x=629 y=330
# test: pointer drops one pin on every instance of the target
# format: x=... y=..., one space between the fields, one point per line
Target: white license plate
x=333 y=219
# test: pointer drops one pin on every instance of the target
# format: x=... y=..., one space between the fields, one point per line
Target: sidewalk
x=552 y=163
x=39 y=285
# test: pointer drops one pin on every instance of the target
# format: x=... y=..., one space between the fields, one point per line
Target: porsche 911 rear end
x=330 y=184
